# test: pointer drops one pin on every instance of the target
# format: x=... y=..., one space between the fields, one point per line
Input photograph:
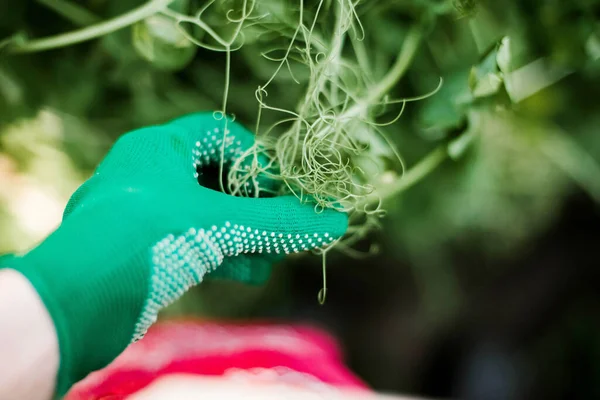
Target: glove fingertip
x=337 y=222
x=288 y=215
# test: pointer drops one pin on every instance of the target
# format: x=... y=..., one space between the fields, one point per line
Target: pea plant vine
x=320 y=148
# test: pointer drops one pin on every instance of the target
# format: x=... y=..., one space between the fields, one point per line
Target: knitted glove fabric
x=142 y=231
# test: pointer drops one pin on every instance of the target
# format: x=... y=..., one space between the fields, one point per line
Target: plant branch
x=409 y=49
x=419 y=171
x=93 y=31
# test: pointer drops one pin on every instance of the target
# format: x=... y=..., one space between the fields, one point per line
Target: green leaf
x=503 y=55
x=446 y=109
x=485 y=79
x=592 y=47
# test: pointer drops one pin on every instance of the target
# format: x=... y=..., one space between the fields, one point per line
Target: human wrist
x=28 y=344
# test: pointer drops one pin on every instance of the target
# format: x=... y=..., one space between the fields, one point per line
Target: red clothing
x=298 y=355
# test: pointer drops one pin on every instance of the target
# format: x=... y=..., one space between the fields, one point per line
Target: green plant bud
x=158 y=40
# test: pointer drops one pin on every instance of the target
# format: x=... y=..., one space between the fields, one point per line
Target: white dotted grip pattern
x=178 y=263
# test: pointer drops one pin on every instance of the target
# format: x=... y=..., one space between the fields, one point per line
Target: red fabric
x=298 y=355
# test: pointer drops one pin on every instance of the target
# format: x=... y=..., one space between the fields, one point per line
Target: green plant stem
x=419 y=171
x=574 y=161
x=409 y=49
x=224 y=111
x=93 y=31
x=336 y=52
x=323 y=292
x=361 y=55
x=73 y=12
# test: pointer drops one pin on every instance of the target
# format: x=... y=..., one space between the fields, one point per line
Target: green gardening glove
x=142 y=231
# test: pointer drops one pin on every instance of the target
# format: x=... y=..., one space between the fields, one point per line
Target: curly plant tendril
x=327 y=132
x=334 y=123
x=332 y=148
x=226 y=45
x=323 y=292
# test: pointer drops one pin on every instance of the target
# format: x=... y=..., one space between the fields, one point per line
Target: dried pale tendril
x=316 y=146
x=318 y=150
x=325 y=149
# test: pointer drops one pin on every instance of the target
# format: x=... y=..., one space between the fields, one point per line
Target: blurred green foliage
x=518 y=113
x=518 y=107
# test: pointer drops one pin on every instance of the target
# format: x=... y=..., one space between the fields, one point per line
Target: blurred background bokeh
x=486 y=283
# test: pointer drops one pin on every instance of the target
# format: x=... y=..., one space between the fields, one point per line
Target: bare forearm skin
x=29 y=355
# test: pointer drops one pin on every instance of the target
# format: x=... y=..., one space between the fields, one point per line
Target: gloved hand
x=141 y=231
